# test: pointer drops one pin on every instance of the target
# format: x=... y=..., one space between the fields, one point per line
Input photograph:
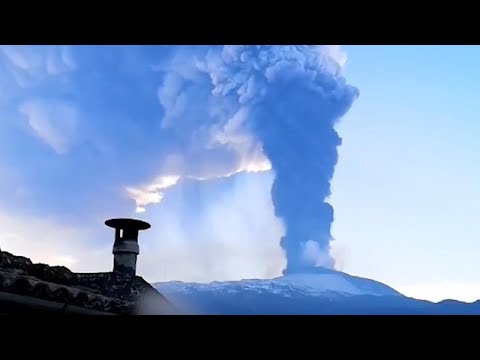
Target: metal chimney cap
x=132 y=224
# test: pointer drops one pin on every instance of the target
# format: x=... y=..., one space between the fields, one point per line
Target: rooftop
x=25 y=286
x=108 y=292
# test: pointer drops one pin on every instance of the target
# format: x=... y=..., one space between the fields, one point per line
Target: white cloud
x=339 y=253
x=54 y=121
x=39 y=61
x=315 y=256
x=235 y=236
x=153 y=193
x=22 y=57
x=232 y=136
x=171 y=98
x=59 y=60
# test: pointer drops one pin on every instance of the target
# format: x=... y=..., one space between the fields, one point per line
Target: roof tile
x=108 y=292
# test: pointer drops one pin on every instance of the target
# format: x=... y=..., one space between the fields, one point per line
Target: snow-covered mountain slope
x=322 y=282
x=322 y=291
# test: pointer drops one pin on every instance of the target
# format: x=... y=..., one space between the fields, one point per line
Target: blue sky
x=406 y=191
x=89 y=133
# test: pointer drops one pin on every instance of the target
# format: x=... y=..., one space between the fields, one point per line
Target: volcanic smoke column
x=304 y=97
x=297 y=131
x=291 y=98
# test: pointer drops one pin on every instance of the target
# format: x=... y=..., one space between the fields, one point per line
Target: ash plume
x=287 y=99
x=122 y=123
x=295 y=122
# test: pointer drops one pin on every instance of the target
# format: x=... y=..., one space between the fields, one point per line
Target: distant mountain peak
x=316 y=282
x=316 y=291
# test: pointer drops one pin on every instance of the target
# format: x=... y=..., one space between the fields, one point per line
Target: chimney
x=125 y=247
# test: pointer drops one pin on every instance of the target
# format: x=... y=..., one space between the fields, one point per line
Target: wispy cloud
x=53 y=121
x=30 y=64
x=151 y=193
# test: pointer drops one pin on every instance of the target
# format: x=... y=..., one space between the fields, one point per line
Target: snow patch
x=323 y=282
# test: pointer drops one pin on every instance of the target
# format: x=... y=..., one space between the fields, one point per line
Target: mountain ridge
x=321 y=292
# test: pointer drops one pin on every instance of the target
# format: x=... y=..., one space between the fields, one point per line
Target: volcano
x=317 y=292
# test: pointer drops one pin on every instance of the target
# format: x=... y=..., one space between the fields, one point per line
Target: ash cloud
x=289 y=99
x=99 y=127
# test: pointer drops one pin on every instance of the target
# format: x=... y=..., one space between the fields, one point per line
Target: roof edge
x=32 y=303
